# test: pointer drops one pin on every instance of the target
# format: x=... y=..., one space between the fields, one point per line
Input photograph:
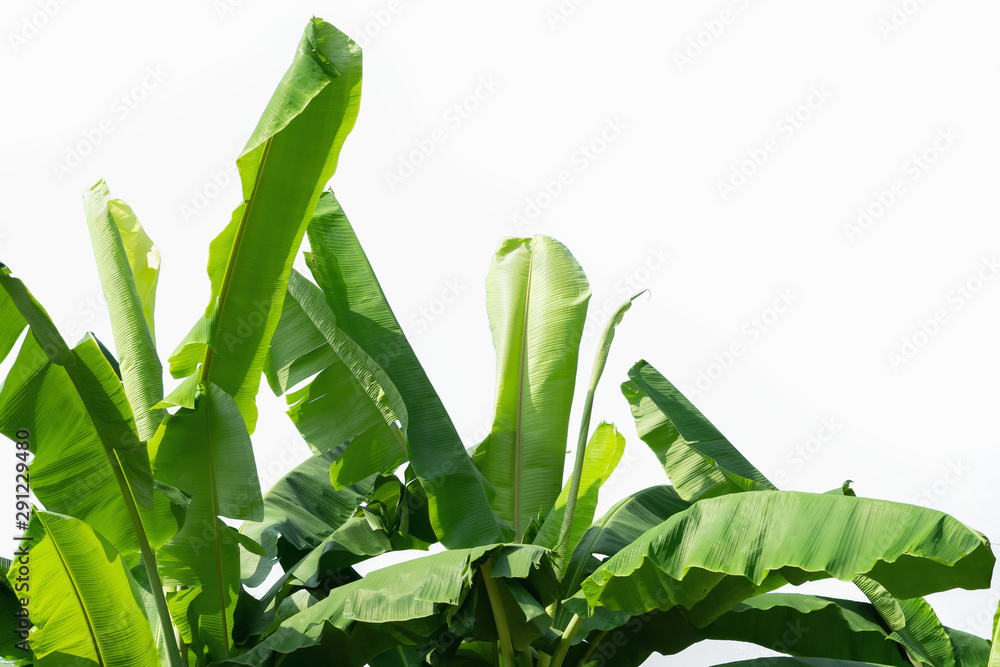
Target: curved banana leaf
x=73 y=472
x=88 y=610
x=628 y=519
x=800 y=625
x=352 y=399
x=914 y=625
x=458 y=503
x=699 y=461
x=206 y=452
x=404 y=604
x=129 y=265
x=722 y=550
x=604 y=451
x=536 y=298
x=284 y=167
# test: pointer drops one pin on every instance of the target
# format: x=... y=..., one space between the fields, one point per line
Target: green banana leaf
x=129 y=265
x=995 y=647
x=88 y=610
x=722 y=550
x=352 y=399
x=14 y=622
x=604 y=451
x=73 y=472
x=624 y=523
x=403 y=604
x=914 y=625
x=458 y=501
x=536 y=298
x=699 y=461
x=207 y=453
x=284 y=167
x=11 y=324
x=97 y=385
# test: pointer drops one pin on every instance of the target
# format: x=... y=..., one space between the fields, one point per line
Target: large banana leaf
x=725 y=549
x=536 y=298
x=284 y=167
x=11 y=324
x=699 y=461
x=801 y=625
x=72 y=472
x=97 y=385
x=129 y=265
x=207 y=453
x=84 y=603
x=405 y=604
x=352 y=399
x=604 y=451
x=458 y=503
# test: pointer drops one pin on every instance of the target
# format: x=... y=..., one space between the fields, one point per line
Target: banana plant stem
x=506 y=649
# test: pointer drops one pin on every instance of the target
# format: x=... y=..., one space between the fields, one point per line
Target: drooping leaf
x=283 y=168
x=129 y=264
x=536 y=297
x=458 y=504
x=88 y=611
x=725 y=549
x=699 y=461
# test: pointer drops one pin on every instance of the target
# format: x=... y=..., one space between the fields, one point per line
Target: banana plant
x=135 y=564
x=665 y=568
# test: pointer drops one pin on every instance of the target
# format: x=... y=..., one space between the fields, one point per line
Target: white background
x=919 y=430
